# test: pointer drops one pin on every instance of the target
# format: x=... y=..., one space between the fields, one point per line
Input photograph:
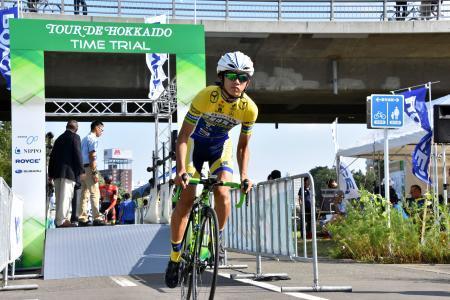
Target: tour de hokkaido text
x=84 y=31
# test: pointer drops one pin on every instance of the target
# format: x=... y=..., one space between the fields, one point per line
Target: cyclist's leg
x=182 y=209
x=179 y=219
x=83 y=4
x=76 y=7
x=222 y=167
x=222 y=205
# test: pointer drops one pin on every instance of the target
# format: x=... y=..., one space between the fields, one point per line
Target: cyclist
x=204 y=138
x=108 y=197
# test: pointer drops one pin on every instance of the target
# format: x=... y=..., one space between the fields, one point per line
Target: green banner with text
x=107 y=37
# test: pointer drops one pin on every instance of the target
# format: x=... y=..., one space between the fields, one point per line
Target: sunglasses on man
x=241 y=77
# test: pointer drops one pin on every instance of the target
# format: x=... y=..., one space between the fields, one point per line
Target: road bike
x=200 y=246
x=42 y=6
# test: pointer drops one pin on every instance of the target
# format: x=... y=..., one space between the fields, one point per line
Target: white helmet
x=235 y=61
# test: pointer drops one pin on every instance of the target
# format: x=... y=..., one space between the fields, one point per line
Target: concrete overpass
x=306 y=72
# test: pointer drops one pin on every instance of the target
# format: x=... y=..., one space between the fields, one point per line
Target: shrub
x=364 y=235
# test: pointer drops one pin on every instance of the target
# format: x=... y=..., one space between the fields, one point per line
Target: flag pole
x=336 y=148
x=435 y=160
x=414 y=86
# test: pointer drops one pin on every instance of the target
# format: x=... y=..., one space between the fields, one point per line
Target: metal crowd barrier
x=268 y=227
x=6 y=203
x=275 y=10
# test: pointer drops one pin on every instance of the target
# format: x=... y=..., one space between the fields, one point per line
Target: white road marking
x=122 y=281
x=424 y=269
x=273 y=288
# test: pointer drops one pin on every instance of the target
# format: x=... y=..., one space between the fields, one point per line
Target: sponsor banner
x=28 y=149
x=16 y=234
x=5 y=66
x=347 y=182
x=107 y=37
x=421 y=158
x=416 y=109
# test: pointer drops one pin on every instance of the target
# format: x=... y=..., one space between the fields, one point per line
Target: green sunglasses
x=241 y=77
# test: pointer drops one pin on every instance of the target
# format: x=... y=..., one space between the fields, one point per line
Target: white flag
x=155 y=63
x=347 y=182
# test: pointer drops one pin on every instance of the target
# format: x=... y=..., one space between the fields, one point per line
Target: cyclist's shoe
x=172 y=274
x=221 y=253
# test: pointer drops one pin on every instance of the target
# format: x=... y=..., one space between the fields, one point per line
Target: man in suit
x=64 y=168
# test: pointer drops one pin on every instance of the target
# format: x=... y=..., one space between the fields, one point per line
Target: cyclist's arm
x=243 y=154
x=181 y=149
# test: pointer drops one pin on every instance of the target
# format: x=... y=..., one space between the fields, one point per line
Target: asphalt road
x=369 y=281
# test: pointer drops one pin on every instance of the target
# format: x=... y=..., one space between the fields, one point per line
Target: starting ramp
x=106 y=250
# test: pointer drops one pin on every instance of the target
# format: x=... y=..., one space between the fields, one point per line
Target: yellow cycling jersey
x=214 y=117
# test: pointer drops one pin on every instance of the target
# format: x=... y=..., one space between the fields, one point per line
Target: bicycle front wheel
x=206 y=257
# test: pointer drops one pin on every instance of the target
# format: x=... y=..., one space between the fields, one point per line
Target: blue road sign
x=387 y=111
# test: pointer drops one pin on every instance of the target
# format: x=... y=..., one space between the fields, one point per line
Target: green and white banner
x=30 y=38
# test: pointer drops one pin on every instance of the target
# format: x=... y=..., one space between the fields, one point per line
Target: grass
x=324 y=247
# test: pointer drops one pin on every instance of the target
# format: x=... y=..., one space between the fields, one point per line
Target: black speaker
x=441 y=124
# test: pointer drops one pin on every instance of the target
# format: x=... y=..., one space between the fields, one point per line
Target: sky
x=292 y=148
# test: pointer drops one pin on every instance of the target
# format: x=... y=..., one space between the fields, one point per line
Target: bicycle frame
x=201 y=201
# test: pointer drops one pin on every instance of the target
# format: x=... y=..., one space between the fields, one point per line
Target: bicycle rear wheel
x=206 y=258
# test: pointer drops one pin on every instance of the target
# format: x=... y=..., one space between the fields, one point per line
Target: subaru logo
x=31 y=139
x=18 y=171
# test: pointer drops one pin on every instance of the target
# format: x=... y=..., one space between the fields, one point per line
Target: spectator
x=401 y=10
x=416 y=196
x=127 y=210
x=340 y=204
x=307 y=203
x=117 y=208
x=392 y=193
x=108 y=196
x=332 y=184
x=48 y=144
x=65 y=165
x=89 y=182
x=32 y=5
x=275 y=174
x=76 y=6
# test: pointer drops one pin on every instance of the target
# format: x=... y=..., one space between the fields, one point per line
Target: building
x=117 y=164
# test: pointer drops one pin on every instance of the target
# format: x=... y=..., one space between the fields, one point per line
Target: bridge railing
x=266 y=10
